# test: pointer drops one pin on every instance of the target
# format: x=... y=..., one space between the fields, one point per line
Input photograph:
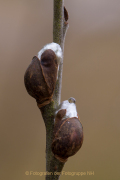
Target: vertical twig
x=58 y=38
x=60 y=26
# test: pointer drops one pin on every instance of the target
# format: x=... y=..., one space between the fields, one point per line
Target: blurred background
x=91 y=74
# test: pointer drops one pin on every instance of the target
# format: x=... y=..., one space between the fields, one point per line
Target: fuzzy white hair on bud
x=55 y=47
x=70 y=107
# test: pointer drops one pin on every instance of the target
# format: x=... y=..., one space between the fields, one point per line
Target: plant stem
x=60 y=26
x=58 y=38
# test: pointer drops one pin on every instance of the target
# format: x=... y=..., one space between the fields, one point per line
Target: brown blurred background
x=91 y=75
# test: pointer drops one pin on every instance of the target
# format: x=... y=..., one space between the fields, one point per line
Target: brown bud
x=40 y=77
x=68 y=136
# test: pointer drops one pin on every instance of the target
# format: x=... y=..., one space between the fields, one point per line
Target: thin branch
x=58 y=38
x=60 y=26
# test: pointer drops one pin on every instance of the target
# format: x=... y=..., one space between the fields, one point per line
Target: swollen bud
x=41 y=75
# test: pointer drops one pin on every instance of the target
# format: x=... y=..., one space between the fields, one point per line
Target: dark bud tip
x=61 y=114
x=65 y=14
x=48 y=57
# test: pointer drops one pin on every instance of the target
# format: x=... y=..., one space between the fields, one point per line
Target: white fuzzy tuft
x=71 y=110
x=53 y=46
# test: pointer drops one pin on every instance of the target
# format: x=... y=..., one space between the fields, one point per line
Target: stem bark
x=60 y=26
